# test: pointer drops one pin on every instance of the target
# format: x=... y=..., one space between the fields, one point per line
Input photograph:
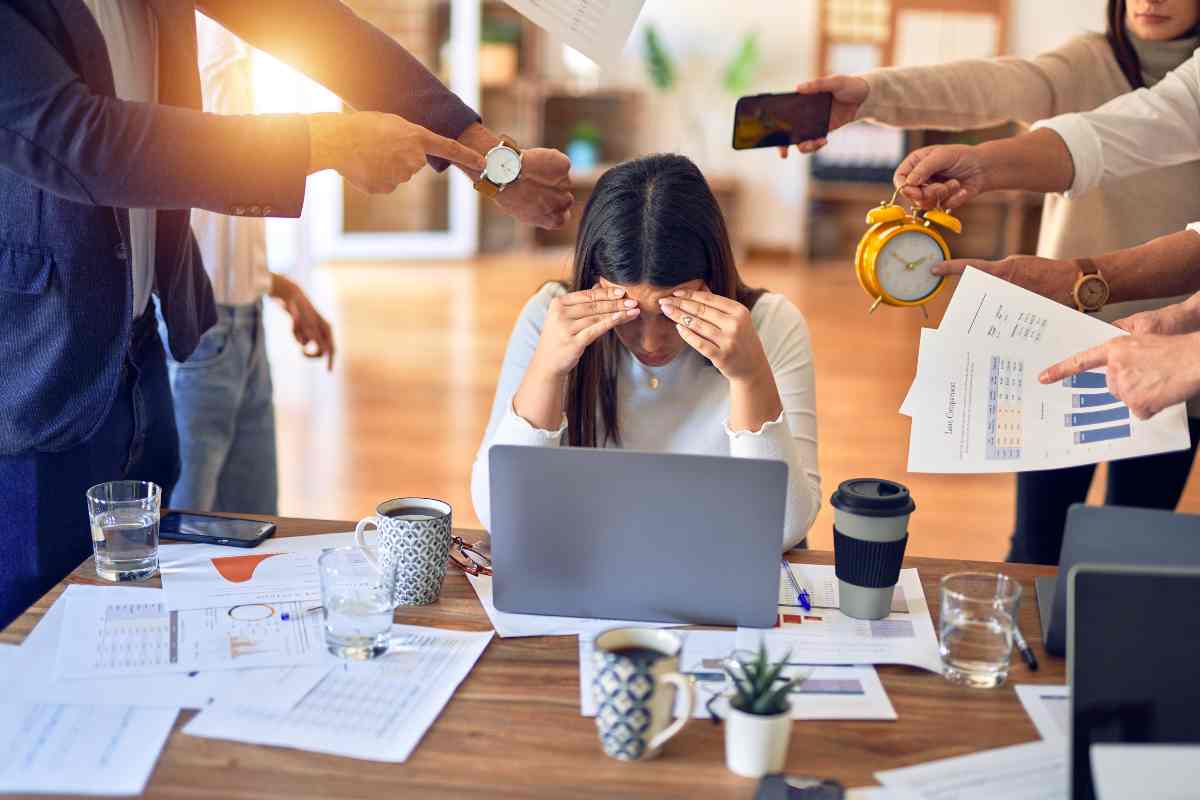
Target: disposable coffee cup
x=870 y=532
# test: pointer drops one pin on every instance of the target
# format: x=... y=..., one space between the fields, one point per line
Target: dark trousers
x=1043 y=497
x=44 y=528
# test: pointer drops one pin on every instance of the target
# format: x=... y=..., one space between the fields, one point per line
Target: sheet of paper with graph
x=977 y=405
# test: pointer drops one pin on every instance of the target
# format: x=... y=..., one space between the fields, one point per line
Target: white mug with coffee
x=413 y=547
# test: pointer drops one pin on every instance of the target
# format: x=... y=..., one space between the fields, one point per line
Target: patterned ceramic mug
x=413 y=546
x=634 y=668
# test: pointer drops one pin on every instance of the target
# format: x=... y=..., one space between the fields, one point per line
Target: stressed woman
x=658 y=346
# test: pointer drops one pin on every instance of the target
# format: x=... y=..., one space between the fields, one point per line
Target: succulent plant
x=761 y=687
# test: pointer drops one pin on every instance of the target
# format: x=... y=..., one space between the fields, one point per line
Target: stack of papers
x=977 y=405
x=235 y=634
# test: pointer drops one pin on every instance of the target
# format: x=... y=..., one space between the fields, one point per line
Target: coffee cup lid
x=873 y=497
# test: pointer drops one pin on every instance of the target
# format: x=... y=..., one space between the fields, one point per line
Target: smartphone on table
x=206 y=529
x=780 y=120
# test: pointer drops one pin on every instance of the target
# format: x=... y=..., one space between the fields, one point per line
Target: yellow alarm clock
x=896 y=254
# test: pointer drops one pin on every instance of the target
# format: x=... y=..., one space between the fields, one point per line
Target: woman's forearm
x=539 y=398
x=753 y=403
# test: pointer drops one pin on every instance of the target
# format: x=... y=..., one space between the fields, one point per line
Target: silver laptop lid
x=615 y=534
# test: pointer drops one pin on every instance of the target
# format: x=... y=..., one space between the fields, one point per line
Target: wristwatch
x=1091 y=289
x=502 y=167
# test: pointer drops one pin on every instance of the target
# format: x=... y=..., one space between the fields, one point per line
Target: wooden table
x=513 y=728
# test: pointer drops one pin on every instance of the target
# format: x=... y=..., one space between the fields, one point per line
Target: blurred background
x=423 y=285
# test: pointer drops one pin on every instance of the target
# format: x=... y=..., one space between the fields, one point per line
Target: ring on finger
x=687 y=321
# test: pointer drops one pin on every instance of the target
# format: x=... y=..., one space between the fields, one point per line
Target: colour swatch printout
x=977 y=404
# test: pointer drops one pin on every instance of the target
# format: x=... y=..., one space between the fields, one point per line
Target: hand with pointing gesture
x=1146 y=372
x=376 y=152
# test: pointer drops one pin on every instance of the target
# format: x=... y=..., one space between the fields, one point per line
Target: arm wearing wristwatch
x=1162 y=267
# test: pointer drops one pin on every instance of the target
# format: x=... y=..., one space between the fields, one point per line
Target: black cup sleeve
x=875 y=565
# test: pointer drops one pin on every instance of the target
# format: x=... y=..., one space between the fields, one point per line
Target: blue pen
x=801 y=594
x=804 y=601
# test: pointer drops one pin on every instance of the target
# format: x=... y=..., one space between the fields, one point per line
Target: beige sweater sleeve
x=980 y=93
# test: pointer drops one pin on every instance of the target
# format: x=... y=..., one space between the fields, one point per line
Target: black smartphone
x=784 y=787
x=779 y=120
x=214 y=530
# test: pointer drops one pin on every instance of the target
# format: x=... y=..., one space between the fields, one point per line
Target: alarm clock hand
x=911 y=265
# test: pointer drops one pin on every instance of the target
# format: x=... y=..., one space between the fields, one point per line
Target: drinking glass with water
x=979 y=614
x=124 y=518
x=356 y=602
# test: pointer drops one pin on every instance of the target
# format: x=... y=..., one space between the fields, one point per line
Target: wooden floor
x=420 y=347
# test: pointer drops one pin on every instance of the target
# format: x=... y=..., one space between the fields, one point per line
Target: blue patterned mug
x=634 y=668
x=413 y=545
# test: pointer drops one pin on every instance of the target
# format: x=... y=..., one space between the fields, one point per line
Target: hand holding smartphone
x=780 y=120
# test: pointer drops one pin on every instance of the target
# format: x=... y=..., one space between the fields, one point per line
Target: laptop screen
x=1135 y=661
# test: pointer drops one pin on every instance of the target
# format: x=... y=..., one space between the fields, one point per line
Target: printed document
x=511 y=625
x=1161 y=771
x=977 y=405
x=277 y=571
x=596 y=28
x=75 y=749
x=1049 y=707
x=375 y=710
x=130 y=632
x=827 y=636
x=1032 y=771
x=821 y=583
x=827 y=692
x=30 y=672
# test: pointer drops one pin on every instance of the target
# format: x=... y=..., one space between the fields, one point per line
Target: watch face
x=503 y=165
x=903 y=264
x=1092 y=292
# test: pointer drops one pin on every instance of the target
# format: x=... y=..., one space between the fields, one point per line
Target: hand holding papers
x=977 y=404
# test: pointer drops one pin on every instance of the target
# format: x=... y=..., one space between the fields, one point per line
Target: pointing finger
x=1088 y=359
x=451 y=150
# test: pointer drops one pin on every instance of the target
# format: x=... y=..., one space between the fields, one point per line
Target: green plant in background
x=499 y=31
x=740 y=72
x=659 y=64
x=760 y=687
x=585 y=131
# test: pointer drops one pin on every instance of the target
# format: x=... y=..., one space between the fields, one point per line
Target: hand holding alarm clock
x=895 y=257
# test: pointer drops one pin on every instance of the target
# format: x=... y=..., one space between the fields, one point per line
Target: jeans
x=226 y=417
x=44 y=528
x=1044 y=497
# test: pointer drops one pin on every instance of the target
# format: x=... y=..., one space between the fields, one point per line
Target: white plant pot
x=756 y=744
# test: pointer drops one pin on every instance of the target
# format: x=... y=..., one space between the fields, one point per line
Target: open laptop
x=1114 y=535
x=615 y=534
x=1133 y=649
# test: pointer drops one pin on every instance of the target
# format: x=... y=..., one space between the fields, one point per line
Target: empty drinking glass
x=356 y=604
x=979 y=613
x=124 y=517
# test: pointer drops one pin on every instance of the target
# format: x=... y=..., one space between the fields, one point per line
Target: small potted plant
x=759 y=724
x=584 y=147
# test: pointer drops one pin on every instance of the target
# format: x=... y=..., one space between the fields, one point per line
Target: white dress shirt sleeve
x=1136 y=132
x=792 y=437
x=505 y=426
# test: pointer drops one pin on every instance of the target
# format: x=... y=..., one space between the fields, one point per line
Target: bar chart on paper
x=1100 y=416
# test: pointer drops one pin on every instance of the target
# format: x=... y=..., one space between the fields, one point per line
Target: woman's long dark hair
x=650 y=220
x=1118 y=39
